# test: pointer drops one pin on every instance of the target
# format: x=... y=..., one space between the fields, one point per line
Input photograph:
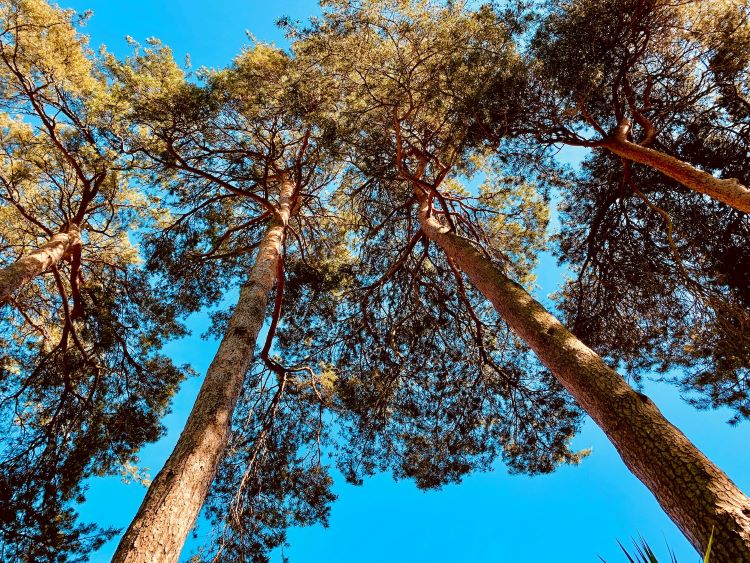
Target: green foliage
x=385 y=357
x=661 y=277
x=644 y=554
x=273 y=476
x=219 y=150
x=644 y=61
x=222 y=148
x=82 y=386
x=429 y=382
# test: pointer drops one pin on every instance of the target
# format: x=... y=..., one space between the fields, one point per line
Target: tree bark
x=729 y=191
x=18 y=274
x=174 y=499
x=695 y=493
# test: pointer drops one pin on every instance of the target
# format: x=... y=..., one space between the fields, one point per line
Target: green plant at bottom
x=644 y=554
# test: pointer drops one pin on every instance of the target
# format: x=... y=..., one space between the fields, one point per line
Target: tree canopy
x=83 y=385
x=375 y=200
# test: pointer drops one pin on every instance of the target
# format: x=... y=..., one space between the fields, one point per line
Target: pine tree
x=622 y=75
x=662 y=279
x=82 y=386
x=416 y=139
x=245 y=171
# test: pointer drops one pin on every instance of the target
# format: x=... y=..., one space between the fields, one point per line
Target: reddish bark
x=695 y=493
x=174 y=499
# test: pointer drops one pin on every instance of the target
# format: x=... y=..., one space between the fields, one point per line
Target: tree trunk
x=695 y=493
x=729 y=191
x=18 y=274
x=174 y=499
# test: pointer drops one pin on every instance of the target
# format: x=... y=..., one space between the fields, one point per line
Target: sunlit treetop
x=221 y=147
x=375 y=340
x=428 y=381
x=223 y=144
x=81 y=381
x=645 y=61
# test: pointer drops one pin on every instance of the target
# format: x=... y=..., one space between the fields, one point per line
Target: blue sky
x=573 y=515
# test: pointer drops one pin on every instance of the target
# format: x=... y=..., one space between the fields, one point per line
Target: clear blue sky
x=571 y=516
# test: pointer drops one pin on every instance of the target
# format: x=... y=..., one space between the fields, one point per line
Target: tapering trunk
x=729 y=191
x=174 y=499
x=695 y=493
x=18 y=274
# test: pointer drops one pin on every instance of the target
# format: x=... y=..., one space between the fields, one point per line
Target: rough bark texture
x=729 y=191
x=174 y=499
x=18 y=274
x=695 y=493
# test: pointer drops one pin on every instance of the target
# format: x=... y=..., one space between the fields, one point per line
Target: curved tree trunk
x=18 y=274
x=729 y=191
x=174 y=499
x=695 y=493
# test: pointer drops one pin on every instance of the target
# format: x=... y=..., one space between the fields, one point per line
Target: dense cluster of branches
x=375 y=199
